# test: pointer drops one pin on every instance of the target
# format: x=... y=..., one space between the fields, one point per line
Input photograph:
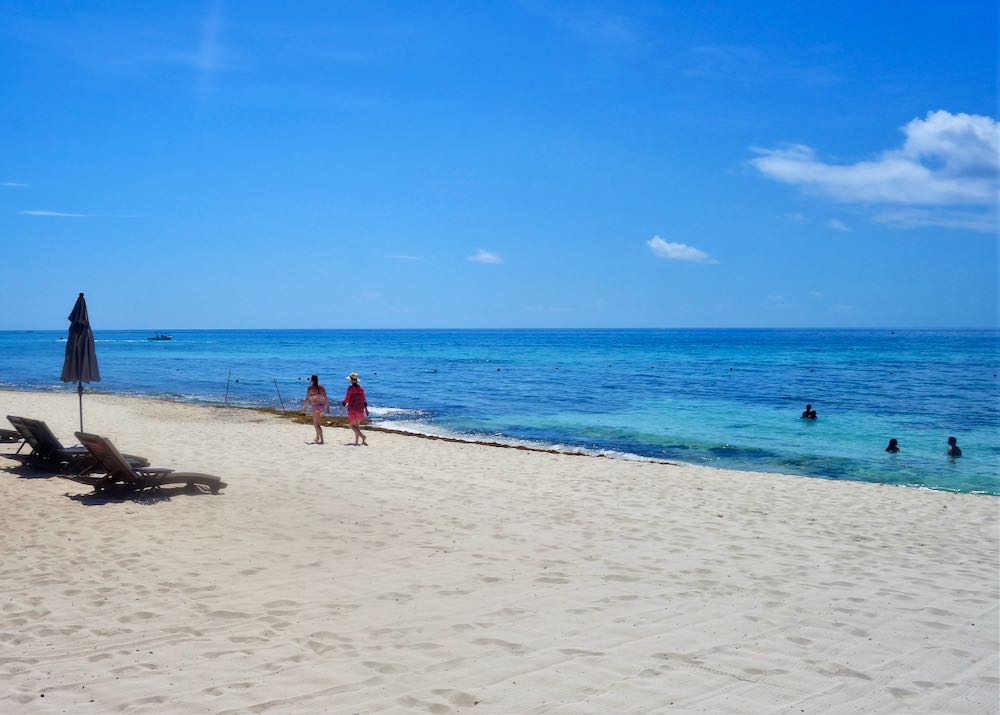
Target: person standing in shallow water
x=809 y=413
x=953 y=449
x=316 y=393
x=357 y=407
x=893 y=446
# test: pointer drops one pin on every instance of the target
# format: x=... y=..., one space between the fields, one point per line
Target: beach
x=729 y=399
x=425 y=576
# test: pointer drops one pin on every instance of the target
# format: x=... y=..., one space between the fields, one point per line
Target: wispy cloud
x=596 y=28
x=207 y=60
x=677 y=251
x=980 y=222
x=745 y=64
x=481 y=256
x=404 y=258
x=722 y=61
x=56 y=214
x=837 y=225
x=553 y=309
x=844 y=308
x=13 y=184
x=796 y=217
x=129 y=47
x=946 y=160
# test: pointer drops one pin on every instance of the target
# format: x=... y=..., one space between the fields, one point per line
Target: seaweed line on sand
x=341 y=421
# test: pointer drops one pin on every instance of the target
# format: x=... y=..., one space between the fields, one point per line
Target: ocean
x=721 y=398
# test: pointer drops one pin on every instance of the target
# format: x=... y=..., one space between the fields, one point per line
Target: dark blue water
x=727 y=398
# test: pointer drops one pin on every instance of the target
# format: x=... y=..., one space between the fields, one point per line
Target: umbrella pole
x=79 y=390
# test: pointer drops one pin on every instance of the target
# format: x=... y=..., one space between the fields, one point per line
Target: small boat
x=160 y=336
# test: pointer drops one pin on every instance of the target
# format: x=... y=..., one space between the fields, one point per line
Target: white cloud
x=837 y=225
x=13 y=184
x=677 y=251
x=946 y=159
x=482 y=256
x=58 y=214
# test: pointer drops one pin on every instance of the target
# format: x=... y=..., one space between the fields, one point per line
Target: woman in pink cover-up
x=357 y=407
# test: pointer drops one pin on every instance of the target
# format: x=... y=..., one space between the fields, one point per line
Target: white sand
x=421 y=576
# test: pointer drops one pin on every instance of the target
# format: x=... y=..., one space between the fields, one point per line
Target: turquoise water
x=726 y=398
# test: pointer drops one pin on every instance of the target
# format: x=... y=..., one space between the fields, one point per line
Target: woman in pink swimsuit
x=357 y=407
x=320 y=404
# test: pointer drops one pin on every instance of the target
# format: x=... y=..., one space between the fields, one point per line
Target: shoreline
x=527 y=445
x=340 y=421
x=426 y=576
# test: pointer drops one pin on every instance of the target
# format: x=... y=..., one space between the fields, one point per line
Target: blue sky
x=499 y=164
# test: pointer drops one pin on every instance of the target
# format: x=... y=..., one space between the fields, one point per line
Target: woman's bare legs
x=318 y=424
x=356 y=426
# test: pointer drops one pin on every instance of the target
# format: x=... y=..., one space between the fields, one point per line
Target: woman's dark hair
x=315 y=380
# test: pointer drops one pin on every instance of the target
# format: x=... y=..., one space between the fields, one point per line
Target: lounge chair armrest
x=152 y=471
x=136 y=461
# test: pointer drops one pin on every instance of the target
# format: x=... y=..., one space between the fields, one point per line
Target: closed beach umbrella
x=80 y=365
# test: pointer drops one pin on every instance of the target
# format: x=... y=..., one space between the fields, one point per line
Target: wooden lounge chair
x=45 y=446
x=123 y=475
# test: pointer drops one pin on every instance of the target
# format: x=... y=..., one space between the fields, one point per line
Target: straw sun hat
x=353 y=377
